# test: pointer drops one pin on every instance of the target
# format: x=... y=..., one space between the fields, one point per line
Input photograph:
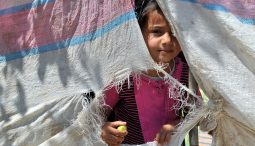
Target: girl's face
x=162 y=45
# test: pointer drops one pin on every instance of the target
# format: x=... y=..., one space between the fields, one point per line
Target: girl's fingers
x=113 y=140
x=117 y=123
x=116 y=132
x=168 y=137
x=163 y=137
x=111 y=135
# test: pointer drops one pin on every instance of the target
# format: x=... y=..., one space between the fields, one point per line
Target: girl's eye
x=157 y=32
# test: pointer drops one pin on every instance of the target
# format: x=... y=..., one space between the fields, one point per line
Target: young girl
x=146 y=109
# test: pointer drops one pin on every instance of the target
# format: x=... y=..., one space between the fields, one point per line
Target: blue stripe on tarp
x=72 y=41
x=216 y=7
x=24 y=7
x=246 y=21
x=193 y=1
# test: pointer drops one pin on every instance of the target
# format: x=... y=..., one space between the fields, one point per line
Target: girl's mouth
x=166 y=50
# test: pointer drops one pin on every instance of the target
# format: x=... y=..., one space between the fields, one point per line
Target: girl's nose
x=166 y=40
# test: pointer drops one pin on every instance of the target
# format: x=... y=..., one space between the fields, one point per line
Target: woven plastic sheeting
x=217 y=38
x=51 y=53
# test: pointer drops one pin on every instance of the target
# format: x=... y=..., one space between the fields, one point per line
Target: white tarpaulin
x=53 y=51
x=218 y=40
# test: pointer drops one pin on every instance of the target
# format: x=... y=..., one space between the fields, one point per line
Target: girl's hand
x=110 y=135
x=165 y=133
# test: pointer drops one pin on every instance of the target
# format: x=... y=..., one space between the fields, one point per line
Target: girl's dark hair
x=143 y=7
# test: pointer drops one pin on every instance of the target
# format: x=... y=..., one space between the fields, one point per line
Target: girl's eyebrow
x=156 y=26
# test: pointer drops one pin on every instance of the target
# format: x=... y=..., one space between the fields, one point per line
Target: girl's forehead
x=155 y=17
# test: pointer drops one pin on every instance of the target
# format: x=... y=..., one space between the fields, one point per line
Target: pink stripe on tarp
x=241 y=8
x=56 y=21
x=4 y=4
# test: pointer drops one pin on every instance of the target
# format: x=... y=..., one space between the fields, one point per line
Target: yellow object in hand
x=122 y=128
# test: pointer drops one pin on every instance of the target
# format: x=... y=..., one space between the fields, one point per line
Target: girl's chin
x=165 y=58
x=164 y=61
